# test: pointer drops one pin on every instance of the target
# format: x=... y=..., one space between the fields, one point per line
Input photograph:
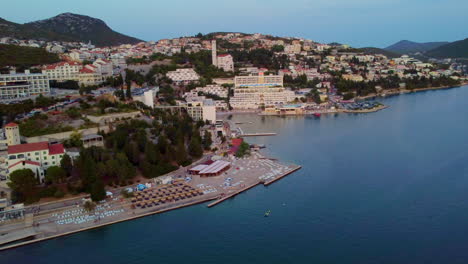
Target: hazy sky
x=359 y=23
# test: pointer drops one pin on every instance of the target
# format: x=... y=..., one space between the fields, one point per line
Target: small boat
x=317 y=114
x=267 y=213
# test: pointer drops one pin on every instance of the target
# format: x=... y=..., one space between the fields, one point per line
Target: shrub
x=59 y=194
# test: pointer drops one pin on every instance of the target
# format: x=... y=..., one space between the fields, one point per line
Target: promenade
x=69 y=217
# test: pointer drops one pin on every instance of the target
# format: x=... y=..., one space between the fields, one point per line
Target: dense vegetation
x=346 y=87
x=457 y=49
x=133 y=149
x=261 y=58
x=410 y=47
x=25 y=57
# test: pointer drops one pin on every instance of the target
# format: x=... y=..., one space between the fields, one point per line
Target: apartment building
x=23 y=85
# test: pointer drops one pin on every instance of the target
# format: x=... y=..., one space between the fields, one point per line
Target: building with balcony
x=25 y=85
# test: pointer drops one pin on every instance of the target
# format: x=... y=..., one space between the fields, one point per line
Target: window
x=53 y=157
x=37 y=153
x=45 y=163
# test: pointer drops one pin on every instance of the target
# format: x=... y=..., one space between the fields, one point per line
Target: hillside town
x=144 y=122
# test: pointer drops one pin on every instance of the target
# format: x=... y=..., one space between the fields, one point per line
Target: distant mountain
x=457 y=49
x=372 y=50
x=410 y=47
x=66 y=27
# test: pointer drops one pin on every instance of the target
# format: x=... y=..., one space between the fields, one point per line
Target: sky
x=359 y=23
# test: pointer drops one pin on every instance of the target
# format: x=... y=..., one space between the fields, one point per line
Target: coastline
x=106 y=224
x=50 y=229
x=404 y=91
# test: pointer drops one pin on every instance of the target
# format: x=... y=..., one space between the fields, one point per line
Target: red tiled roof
x=11 y=125
x=28 y=147
x=224 y=55
x=25 y=161
x=53 y=149
x=58 y=64
x=56 y=149
x=86 y=70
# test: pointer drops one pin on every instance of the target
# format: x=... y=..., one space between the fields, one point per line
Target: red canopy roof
x=11 y=125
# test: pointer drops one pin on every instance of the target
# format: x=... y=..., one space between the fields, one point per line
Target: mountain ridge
x=456 y=49
x=66 y=27
x=411 y=47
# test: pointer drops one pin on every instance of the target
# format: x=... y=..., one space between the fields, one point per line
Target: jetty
x=264 y=182
x=257 y=134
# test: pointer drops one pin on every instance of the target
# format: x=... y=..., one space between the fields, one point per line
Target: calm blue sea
x=386 y=187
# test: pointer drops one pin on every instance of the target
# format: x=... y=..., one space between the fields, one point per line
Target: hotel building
x=253 y=92
x=23 y=85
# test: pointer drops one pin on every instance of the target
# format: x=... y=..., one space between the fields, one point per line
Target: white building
x=105 y=67
x=214 y=57
x=225 y=62
x=147 y=97
x=63 y=71
x=12 y=134
x=89 y=75
x=253 y=92
x=23 y=85
x=293 y=48
x=183 y=75
x=36 y=156
x=213 y=89
x=204 y=109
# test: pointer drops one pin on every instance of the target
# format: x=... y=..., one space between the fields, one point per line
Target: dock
x=224 y=198
x=233 y=194
x=282 y=176
x=257 y=134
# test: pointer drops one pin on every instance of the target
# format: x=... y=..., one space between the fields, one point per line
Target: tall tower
x=12 y=134
x=214 y=56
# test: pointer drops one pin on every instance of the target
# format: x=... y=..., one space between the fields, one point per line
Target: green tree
x=23 y=182
x=244 y=149
x=98 y=192
x=75 y=139
x=66 y=164
x=55 y=174
x=181 y=153
x=207 y=141
x=195 y=148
